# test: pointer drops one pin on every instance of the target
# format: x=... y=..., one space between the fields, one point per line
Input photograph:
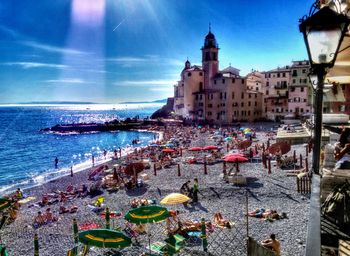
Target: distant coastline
x=143 y=102
x=80 y=102
x=55 y=102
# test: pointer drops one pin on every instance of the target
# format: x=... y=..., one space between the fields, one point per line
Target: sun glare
x=88 y=12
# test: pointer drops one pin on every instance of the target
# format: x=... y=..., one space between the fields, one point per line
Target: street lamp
x=323 y=33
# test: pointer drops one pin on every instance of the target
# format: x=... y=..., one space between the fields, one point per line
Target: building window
x=304 y=100
x=223 y=81
x=233 y=80
x=248 y=112
x=200 y=104
x=214 y=81
x=295 y=73
x=249 y=95
x=301 y=89
x=242 y=104
x=242 y=81
x=292 y=89
x=302 y=110
x=304 y=71
x=284 y=74
x=278 y=75
x=242 y=95
x=257 y=88
x=220 y=95
x=233 y=95
x=200 y=74
x=255 y=103
x=200 y=96
x=210 y=105
x=267 y=92
x=256 y=96
x=200 y=86
x=189 y=74
x=294 y=81
x=225 y=95
x=249 y=104
x=196 y=96
x=267 y=83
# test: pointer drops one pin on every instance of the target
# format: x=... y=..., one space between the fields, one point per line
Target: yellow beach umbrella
x=175 y=198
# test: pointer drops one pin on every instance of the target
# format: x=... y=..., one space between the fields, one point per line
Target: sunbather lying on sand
x=64 y=209
x=220 y=221
x=267 y=214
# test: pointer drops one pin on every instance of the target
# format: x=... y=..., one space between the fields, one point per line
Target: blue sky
x=109 y=51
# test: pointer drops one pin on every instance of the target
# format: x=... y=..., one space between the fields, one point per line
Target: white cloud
x=68 y=81
x=51 y=48
x=129 y=61
x=169 y=83
x=27 y=65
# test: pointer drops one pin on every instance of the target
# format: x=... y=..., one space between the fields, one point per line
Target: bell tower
x=210 y=63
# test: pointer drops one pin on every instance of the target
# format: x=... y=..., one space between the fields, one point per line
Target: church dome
x=210 y=41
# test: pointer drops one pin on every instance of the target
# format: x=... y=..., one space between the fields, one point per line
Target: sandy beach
x=270 y=191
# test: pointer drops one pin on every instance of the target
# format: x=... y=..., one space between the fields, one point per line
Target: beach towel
x=158 y=248
x=26 y=200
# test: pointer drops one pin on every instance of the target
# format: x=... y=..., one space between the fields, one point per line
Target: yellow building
x=206 y=94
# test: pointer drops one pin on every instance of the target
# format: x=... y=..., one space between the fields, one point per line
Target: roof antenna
x=209 y=27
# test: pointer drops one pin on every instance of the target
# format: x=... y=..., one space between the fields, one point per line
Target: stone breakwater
x=274 y=191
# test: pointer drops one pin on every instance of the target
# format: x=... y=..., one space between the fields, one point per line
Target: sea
x=27 y=155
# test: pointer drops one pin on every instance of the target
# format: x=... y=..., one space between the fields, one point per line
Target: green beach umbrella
x=36 y=245
x=108 y=219
x=147 y=214
x=204 y=236
x=104 y=238
x=75 y=231
x=5 y=203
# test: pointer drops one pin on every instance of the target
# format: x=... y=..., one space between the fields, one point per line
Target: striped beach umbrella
x=147 y=214
x=104 y=238
x=175 y=198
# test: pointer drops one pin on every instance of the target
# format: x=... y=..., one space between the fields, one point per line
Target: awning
x=334 y=95
x=340 y=73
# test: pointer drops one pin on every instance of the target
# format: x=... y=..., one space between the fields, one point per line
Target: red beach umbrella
x=235 y=159
x=87 y=226
x=168 y=150
x=210 y=147
x=195 y=149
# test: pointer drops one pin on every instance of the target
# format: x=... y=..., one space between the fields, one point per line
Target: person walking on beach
x=195 y=190
x=105 y=153
x=56 y=162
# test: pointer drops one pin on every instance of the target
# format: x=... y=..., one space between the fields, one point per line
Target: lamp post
x=323 y=33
